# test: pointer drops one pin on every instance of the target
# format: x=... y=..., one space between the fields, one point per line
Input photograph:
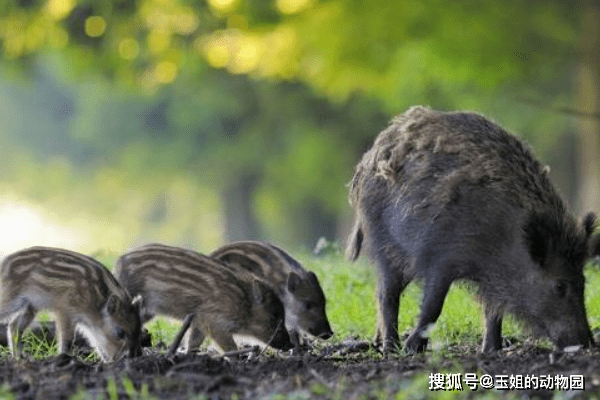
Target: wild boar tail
x=355 y=241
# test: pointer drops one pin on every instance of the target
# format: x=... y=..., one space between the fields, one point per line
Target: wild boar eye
x=561 y=289
x=120 y=333
x=308 y=306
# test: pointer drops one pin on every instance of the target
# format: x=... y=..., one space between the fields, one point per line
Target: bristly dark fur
x=485 y=153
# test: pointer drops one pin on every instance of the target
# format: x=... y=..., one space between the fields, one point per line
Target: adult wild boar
x=445 y=196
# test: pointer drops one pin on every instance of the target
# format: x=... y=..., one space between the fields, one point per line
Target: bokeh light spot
x=224 y=6
x=95 y=26
x=292 y=6
x=247 y=56
x=129 y=49
x=59 y=9
x=185 y=24
x=217 y=53
x=165 y=71
x=35 y=37
x=158 y=40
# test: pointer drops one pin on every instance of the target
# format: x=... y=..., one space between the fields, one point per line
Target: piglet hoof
x=63 y=360
x=20 y=355
x=415 y=344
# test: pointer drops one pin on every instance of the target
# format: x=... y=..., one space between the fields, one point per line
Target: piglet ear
x=138 y=302
x=113 y=305
x=257 y=292
x=293 y=282
x=141 y=308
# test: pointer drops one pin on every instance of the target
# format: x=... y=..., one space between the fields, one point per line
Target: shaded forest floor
x=349 y=370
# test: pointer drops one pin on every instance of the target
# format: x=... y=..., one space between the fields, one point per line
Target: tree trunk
x=314 y=222
x=588 y=87
x=238 y=200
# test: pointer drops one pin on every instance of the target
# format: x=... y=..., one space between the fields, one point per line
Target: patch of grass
x=39 y=347
x=592 y=294
x=163 y=330
x=350 y=294
x=352 y=306
x=6 y=393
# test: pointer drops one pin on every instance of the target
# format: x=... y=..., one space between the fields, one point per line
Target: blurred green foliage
x=193 y=122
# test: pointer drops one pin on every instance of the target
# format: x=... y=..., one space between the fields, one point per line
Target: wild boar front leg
x=294 y=338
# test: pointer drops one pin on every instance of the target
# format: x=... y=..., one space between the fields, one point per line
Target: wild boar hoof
x=390 y=347
x=415 y=344
x=488 y=347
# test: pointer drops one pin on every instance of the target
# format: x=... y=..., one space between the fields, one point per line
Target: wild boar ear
x=257 y=292
x=113 y=305
x=593 y=239
x=589 y=223
x=293 y=282
x=537 y=238
x=313 y=278
x=594 y=245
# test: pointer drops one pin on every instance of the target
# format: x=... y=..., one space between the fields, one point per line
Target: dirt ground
x=346 y=371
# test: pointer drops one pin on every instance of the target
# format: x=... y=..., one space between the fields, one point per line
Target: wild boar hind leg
x=492 y=335
x=434 y=293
